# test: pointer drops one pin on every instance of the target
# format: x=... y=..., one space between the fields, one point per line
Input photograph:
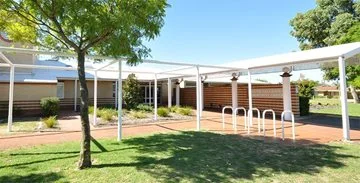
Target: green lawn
x=185 y=157
x=334 y=107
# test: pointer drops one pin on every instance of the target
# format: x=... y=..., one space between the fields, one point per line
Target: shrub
x=107 y=114
x=304 y=103
x=132 y=92
x=50 y=106
x=138 y=114
x=163 y=112
x=50 y=122
x=145 y=108
x=186 y=111
x=173 y=109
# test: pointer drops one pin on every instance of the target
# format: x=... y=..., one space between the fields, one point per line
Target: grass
x=25 y=125
x=334 y=107
x=185 y=157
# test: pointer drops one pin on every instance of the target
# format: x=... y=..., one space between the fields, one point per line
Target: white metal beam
x=11 y=98
x=2 y=56
x=155 y=97
x=95 y=99
x=169 y=93
x=343 y=98
x=197 y=99
x=120 y=103
x=75 y=95
x=250 y=116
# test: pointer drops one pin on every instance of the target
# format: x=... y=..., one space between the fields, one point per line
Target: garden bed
x=108 y=116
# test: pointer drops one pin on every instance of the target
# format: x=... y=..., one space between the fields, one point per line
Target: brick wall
x=267 y=96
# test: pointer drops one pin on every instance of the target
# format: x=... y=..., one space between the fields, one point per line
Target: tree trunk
x=85 y=153
x=354 y=94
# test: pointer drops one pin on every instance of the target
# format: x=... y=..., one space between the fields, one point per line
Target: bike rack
x=274 y=120
x=292 y=124
x=235 y=114
x=250 y=121
x=223 y=115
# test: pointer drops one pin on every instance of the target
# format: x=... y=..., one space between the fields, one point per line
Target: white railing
x=250 y=120
x=223 y=115
x=292 y=124
x=235 y=117
x=274 y=121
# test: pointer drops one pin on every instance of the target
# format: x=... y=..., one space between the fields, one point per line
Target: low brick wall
x=267 y=96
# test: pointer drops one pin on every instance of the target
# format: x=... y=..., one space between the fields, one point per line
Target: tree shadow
x=212 y=157
x=42 y=177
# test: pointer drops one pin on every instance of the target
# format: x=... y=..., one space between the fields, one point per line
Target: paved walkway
x=305 y=133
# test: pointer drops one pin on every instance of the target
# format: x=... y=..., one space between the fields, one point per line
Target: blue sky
x=214 y=32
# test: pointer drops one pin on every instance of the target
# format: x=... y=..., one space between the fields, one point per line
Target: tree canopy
x=331 y=22
x=107 y=27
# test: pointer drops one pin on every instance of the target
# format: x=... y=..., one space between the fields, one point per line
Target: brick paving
x=211 y=121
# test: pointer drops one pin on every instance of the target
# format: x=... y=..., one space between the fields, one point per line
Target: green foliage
x=304 y=103
x=145 y=108
x=138 y=114
x=117 y=28
x=50 y=121
x=107 y=114
x=163 y=112
x=132 y=92
x=306 y=87
x=186 y=111
x=352 y=74
x=174 y=108
x=50 y=106
x=325 y=24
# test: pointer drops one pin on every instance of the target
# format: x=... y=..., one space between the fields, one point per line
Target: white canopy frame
x=340 y=52
x=12 y=67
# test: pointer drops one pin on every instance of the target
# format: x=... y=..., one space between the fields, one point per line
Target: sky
x=216 y=32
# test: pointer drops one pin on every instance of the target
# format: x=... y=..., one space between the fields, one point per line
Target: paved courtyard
x=211 y=121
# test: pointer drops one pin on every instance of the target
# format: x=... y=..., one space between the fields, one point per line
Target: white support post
x=75 y=94
x=11 y=97
x=234 y=95
x=250 y=116
x=150 y=93
x=202 y=96
x=343 y=98
x=177 y=94
x=197 y=99
x=169 y=92
x=155 y=97
x=95 y=98
x=286 y=94
x=116 y=94
x=119 y=103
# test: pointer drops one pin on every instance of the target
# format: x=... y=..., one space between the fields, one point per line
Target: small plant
x=91 y=110
x=186 y=111
x=173 y=109
x=50 y=106
x=163 y=112
x=106 y=114
x=145 y=108
x=138 y=114
x=50 y=122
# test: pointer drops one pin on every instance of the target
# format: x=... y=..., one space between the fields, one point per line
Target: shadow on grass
x=205 y=156
x=42 y=177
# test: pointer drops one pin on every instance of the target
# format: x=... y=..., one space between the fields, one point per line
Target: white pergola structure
x=301 y=60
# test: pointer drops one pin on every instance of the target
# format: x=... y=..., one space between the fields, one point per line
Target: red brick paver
x=305 y=133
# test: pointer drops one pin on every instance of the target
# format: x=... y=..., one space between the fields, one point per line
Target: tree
x=132 y=92
x=306 y=87
x=330 y=22
x=108 y=27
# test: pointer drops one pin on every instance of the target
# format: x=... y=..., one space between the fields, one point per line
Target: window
x=60 y=90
